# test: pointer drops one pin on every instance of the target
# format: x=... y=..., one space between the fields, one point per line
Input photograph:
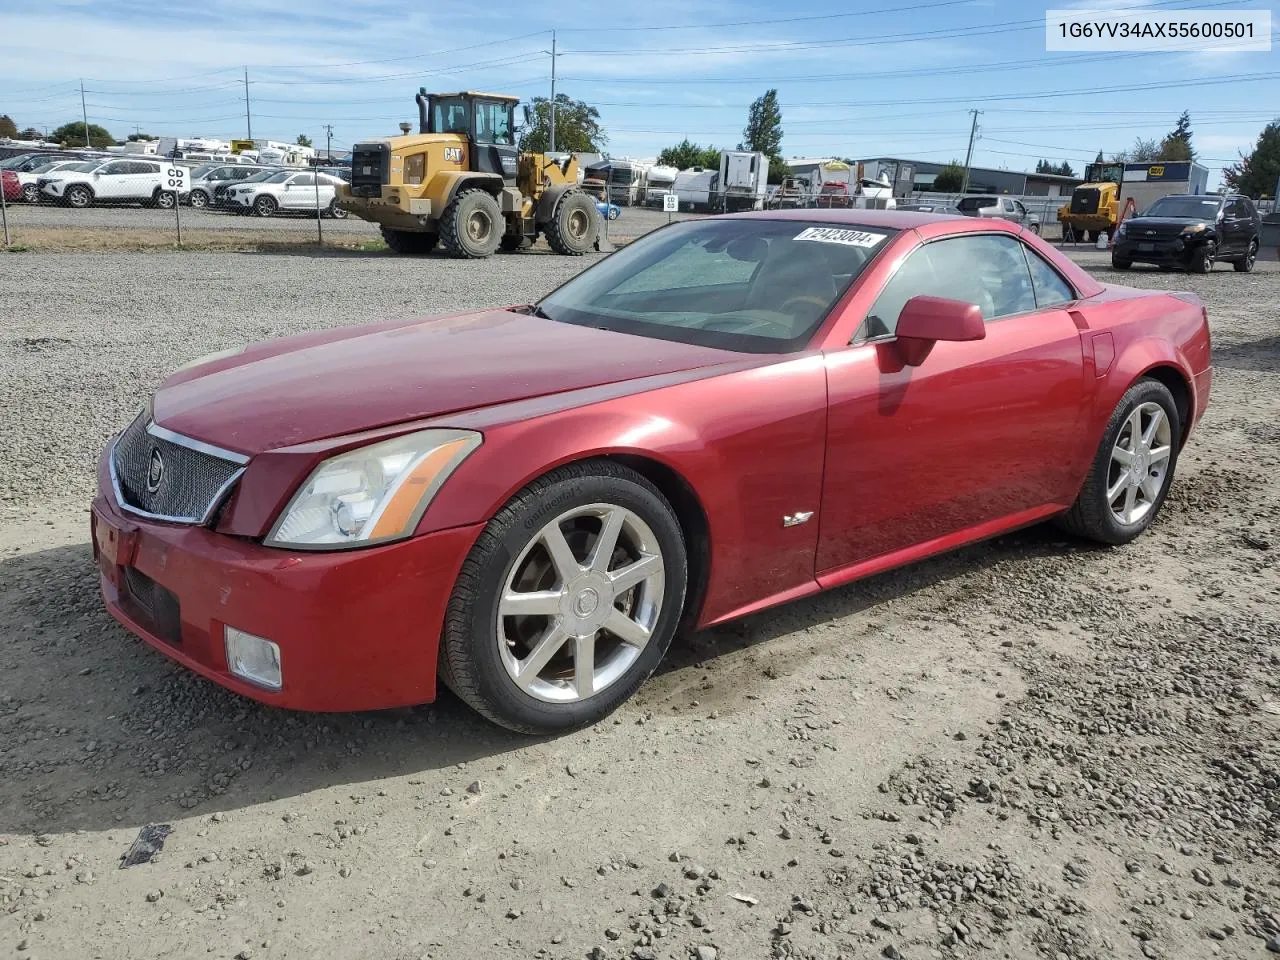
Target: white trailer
x=660 y=181
x=696 y=189
x=744 y=178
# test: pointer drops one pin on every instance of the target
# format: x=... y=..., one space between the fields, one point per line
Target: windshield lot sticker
x=850 y=238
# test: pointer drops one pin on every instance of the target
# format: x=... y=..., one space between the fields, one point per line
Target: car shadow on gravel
x=97 y=729
x=1262 y=356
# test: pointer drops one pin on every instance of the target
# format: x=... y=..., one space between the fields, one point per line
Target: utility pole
x=248 y=123
x=553 y=91
x=968 y=157
x=328 y=143
x=84 y=114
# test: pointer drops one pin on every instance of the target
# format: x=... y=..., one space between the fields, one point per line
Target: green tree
x=303 y=140
x=31 y=133
x=950 y=178
x=1144 y=151
x=7 y=127
x=1256 y=173
x=1177 y=143
x=72 y=134
x=778 y=170
x=139 y=137
x=578 y=128
x=686 y=154
x=1064 y=169
x=763 y=131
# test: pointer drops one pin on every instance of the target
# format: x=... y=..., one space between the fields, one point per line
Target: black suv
x=1190 y=231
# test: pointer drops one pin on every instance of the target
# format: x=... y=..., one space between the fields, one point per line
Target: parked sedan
x=727 y=414
x=30 y=179
x=609 y=211
x=288 y=191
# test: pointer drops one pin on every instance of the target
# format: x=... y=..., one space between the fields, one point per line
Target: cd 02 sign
x=670 y=203
x=175 y=178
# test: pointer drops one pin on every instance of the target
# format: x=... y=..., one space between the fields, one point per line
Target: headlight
x=1121 y=230
x=1195 y=228
x=371 y=495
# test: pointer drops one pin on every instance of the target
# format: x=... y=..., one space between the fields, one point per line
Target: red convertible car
x=727 y=414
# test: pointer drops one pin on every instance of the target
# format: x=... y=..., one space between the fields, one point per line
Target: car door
x=1007 y=210
x=980 y=431
x=299 y=192
x=111 y=181
x=145 y=178
x=1237 y=228
x=1019 y=213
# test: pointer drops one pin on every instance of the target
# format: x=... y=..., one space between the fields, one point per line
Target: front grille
x=1155 y=231
x=370 y=169
x=1085 y=201
x=163 y=475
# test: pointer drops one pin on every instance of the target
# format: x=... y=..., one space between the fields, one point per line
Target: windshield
x=752 y=285
x=84 y=167
x=14 y=162
x=203 y=169
x=277 y=177
x=1194 y=208
x=46 y=167
x=450 y=116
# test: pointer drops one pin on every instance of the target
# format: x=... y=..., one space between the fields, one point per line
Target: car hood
x=1165 y=222
x=337 y=382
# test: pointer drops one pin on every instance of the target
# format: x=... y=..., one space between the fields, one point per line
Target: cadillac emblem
x=155 y=470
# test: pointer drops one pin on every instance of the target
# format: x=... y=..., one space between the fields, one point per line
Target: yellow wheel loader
x=462 y=184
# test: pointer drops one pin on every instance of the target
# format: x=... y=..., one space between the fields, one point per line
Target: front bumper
x=1169 y=251
x=357 y=629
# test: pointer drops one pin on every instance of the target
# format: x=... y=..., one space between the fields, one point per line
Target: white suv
x=112 y=181
x=287 y=191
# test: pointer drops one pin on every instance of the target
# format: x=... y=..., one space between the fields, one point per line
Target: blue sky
x=861 y=78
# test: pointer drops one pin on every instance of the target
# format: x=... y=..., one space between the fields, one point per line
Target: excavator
x=462 y=184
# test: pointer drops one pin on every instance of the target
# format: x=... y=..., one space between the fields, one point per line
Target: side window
x=303 y=180
x=140 y=167
x=115 y=169
x=1247 y=208
x=1008 y=206
x=1017 y=205
x=1050 y=289
x=986 y=270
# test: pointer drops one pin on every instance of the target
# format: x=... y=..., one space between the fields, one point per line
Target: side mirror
x=926 y=320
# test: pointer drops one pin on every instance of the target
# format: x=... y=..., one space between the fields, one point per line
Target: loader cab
x=486 y=120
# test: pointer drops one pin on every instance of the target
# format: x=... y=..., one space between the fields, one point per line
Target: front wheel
x=165 y=200
x=336 y=212
x=78 y=197
x=1245 y=263
x=567 y=602
x=471 y=226
x=199 y=199
x=1133 y=468
x=30 y=193
x=1202 y=259
x=265 y=206
x=574 y=225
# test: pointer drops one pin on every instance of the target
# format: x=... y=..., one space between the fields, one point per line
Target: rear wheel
x=165 y=200
x=409 y=244
x=265 y=206
x=472 y=225
x=1245 y=263
x=199 y=199
x=574 y=225
x=1120 y=263
x=336 y=212
x=1133 y=468
x=568 y=600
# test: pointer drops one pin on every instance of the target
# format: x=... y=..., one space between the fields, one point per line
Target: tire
x=164 y=199
x=408 y=244
x=472 y=226
x=511 y=243
x=78 y=196
x=1245 y=263
x=480 y=651
x=1120 y=263
x=1202 y=259
x=1092 y=516
x=574 y=226
x=615 y=214
x=30 y=193
x=199 y=200
x=265 y=206
x=335 y=212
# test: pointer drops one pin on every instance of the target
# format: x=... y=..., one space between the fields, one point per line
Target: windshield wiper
x=534 y=310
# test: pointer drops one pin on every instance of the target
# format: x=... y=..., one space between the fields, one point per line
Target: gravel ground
x=1027 y=748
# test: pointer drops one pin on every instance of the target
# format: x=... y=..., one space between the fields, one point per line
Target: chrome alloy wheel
x=1139 y=467
x=580 y=603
